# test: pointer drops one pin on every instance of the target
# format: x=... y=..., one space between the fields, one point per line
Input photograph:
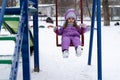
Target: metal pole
x=4 y=3
x=81 y=11
x=92 y=31
x=99 y=48
x=57 y=22
x=25 y=43
x=17 y=50
x=36 y=38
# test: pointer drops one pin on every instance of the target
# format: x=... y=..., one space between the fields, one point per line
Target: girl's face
x=71 y=20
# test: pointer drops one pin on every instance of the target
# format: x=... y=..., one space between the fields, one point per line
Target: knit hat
x=70 y=13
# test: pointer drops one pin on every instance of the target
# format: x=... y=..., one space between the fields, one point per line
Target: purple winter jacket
x=71 y=31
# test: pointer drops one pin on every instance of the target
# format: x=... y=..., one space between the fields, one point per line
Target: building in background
x=46 y=10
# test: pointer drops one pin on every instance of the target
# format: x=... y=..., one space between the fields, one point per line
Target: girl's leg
x=76 y=41
x=65 y=43
x=78 y=48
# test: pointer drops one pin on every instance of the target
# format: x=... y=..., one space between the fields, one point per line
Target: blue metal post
x=25 y=43
x=99 y=55
x=92 y=31
x=17 y=50
x=99 y=48
x=4 y=3
x=36 y=37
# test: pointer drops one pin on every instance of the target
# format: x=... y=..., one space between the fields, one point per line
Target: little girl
x=71 y=32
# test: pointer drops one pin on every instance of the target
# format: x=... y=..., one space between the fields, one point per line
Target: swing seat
x=59 y=45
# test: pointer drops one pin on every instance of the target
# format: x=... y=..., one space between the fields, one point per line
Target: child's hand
x=50 y=26
x=82 y=25
x=55 y=28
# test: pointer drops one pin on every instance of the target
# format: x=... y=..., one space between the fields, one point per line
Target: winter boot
x=79 y=51
x=65 y=54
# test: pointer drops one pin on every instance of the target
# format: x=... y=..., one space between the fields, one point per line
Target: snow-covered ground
x=54 y=67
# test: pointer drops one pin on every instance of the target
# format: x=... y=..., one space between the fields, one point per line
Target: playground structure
x=10 y=24
x=22 y=38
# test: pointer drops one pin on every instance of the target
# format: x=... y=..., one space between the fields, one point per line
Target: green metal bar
x=11 y=18
x=7 y=37
x=5 y=61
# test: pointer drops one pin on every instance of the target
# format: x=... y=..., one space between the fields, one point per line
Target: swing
x=82 y=35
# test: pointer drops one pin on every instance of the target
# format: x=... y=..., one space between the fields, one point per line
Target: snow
x=54 y=67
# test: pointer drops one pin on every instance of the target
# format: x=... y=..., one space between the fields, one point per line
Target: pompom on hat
x=70 y=13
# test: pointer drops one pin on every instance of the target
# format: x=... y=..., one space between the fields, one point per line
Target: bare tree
x=0 y=2
x=9 y=3
x=106 y=13
x=47 y=1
